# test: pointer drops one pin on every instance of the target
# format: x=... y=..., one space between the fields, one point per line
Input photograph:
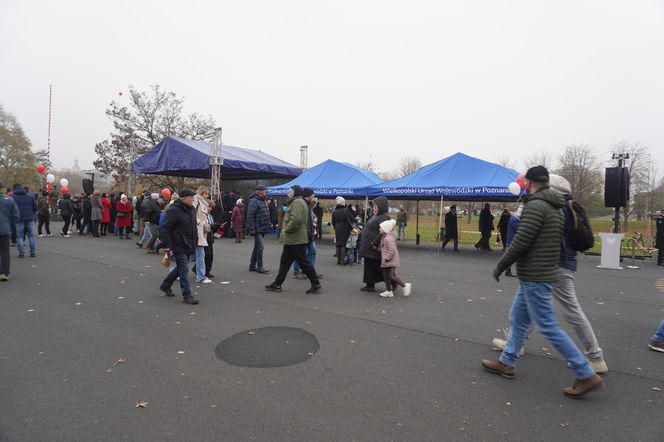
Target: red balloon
x=120 y=93
x=166 y=192
x=521 y=183
x=64 y=189
x=41 y=169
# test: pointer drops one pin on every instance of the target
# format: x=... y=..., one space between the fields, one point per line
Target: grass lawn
x=468 y=234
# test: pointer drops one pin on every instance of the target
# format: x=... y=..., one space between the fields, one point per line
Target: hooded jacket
x=26 y=204
x=296 y=223
x=536 y=245
x=179 y=231
x=370 y=232
x=341 y=220
x=66 y=206
x=258 y=215
x=8 y=215
x=388 y=246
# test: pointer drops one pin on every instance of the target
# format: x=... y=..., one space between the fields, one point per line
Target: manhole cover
x=268 y=347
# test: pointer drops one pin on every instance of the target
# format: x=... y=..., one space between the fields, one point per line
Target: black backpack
x=581 y=237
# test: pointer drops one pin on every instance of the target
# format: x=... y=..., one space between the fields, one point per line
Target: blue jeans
x=311 y=257
x=200 y=263
x=147 y=234
x=351 y=256
x=401 y=227
x=257 y=252
x=21 y=229
x=533 y=303
x=659 y=333
x=181 y=270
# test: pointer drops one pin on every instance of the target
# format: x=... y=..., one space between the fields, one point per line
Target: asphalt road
x=387 y=369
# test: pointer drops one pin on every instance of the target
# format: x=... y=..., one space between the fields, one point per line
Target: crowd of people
x=539 y=238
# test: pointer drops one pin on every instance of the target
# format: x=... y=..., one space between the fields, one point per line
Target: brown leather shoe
x=583 y=386
x=497 y=367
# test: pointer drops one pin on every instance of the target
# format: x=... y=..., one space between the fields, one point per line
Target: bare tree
x=581 y=167
x=408 y=165
x=367 y=165
x=540 y=158
x=150 y=117
x=505 y=161
x=389 y=175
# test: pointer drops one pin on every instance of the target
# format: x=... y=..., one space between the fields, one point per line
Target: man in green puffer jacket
x=536 y=251
x=296 y=233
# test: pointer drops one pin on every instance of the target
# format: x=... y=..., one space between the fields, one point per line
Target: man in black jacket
x=368 y=249
x=179 y=236
x=451 y=230
x=486 y=226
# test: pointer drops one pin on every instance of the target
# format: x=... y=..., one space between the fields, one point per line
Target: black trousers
x=44 y=222
x=65 y=228
x=295 y=253
x=454 y=238
x=391 y=279
x=209 y=257
x=484 y=242
x=4 y=254
x=660 y=255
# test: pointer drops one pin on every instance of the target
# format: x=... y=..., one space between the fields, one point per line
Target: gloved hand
x=496 y=274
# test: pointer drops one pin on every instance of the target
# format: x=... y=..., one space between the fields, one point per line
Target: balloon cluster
x=50 y=179
x=517 y=186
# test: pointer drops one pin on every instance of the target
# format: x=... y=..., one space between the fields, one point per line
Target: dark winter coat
x=26 y=204
x=567 y=253
x=341 y=220
x=8 y=215
x=43 y=211
x=152 y=211
x=78 y=208
x=87 y=208
x=451 y=230
x=536 y=244
x=318 y=211
x=274 y=213
x=503 y=223
x=66 y=206
x=486 y=220
x=371 y=230
x=660 y=232
x=179 y=231
x=258 y=215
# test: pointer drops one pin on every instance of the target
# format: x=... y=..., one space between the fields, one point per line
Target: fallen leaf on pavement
x=119 y=361
x=656 y=389
x=252 y=332
x=180 y=352
x=142 y=404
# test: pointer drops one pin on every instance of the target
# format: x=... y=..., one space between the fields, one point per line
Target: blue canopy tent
x=330 y=179
x=458 y=178
x=177 y=156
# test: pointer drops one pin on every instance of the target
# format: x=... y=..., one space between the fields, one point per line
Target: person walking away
x=66 y=212
x=402 y=222
x=536 y=250
x=274 y=213
x=503 y=224
x=105 y=214
x=258 y=223
x=114 y=213
x=512 y=227
x=390 y=261
x=341 y=220
x=154 y=216
x=310 y=198
x=87 y=216
x=451 y=229
x=43 y=215
x=296 y=234
x=96 y=213
x=373 y=273
x=237 y=220
x=147 y=208
x=659 y=238
x=201 y=210
x=124 y=216
x=486 y=227
x=9 y=218
x=179 y=235
x=27 y=206
x=319 y=212
x=78 y=210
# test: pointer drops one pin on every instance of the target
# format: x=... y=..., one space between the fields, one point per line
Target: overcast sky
x=353 y=80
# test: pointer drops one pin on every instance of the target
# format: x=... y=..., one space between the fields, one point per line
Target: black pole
x=417 y=223
x=616 y=219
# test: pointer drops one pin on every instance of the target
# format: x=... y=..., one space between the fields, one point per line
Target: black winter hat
x=297 y=190
x=538 y=174
x=186 y=192
x=307 y=191
x=260 y=187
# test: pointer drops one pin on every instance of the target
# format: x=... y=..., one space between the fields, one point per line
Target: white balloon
x=514 y=188
x=64 y=182
x=50 y=178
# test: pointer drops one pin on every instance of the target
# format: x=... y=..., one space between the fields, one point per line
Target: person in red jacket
x=105 y=213
x=123 y=217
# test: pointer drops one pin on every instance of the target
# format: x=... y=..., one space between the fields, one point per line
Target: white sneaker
x=406 y=290
x=499 y=344
x=206 y=281
x=387 y=294
x=49 y=234
x=67 y=236
x=40 y=236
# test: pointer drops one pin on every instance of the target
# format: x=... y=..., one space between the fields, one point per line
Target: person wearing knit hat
x=390 y=260
x=296 y=234
x=308 y=196
x=342 y=221
x=237 y=220
x=258 y=225
x=536 y=251
x=9 y=218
